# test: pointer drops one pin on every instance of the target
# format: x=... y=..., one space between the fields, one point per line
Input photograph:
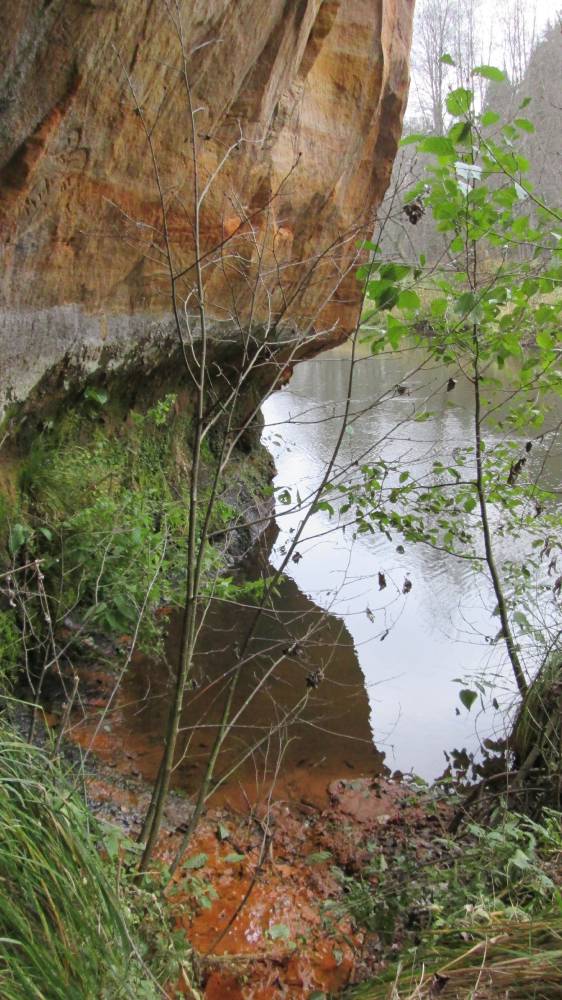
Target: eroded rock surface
x=296 y=112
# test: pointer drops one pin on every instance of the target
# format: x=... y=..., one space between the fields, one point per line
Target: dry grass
x=519 y=960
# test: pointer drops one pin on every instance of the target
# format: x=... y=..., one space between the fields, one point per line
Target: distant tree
x=456 y=30
x=518 y=20
x=542 y=82
x=432 y=37
x=539 y=86
x=450 y=39
x=465 y=31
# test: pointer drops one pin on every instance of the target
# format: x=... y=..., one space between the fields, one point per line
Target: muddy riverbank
x=261 y=893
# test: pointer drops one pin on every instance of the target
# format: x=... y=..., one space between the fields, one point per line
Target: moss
x=108 y=513
x=8 y=503
x=103 y=501
x=538 y=723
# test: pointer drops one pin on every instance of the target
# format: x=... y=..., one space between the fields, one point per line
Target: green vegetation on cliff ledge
x=10 y=649
x=103 y=503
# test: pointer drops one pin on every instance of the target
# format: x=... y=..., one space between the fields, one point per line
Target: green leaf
x=447 y=59
x=489 y=118
x=465 y=303
x=99 y=396
x=388 y=298
x=459 y=101
x=223 y=832
x=278 y=932
x=545 y=340
x=408 y=140
x=234 y=858
x=525 y=125
x=323 y=505
x=468 y=698
x=520 y=619
x=460 y=132
x=519 y=859
x=318 y=857
x=439 y=307
x=439 y=145
x=197 y=861
x=394 y=272
x=490 y=73
x=19 y=534
x=408 y=299
x=112 y=843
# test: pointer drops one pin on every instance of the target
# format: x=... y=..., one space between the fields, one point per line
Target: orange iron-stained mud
x=262 y=933
x=258 y=895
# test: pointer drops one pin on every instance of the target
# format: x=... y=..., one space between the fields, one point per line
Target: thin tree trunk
x=488 y=547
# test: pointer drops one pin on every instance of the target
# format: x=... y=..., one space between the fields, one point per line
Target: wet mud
x=258 y=893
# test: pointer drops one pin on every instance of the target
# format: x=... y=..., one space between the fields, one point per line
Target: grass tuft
x=68 y=930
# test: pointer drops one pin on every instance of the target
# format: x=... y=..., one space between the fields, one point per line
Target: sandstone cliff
x=297 y=109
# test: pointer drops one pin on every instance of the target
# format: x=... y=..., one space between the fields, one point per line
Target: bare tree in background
x=471 y=35
x=468 y=33
x=518 y=22
x=432 y=38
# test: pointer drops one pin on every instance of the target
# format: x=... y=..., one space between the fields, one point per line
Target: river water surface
x=376 y=672
x=413 y=649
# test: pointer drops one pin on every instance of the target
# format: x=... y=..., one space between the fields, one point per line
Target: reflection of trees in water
x=450 y=600
x=323 y=383
x=418 y=444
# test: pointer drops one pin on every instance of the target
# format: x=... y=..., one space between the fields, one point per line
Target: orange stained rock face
x=298 y=115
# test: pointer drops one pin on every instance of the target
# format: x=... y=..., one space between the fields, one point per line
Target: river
x=412 y=649
x=377 y=672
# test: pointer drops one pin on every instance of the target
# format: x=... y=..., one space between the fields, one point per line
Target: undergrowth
x=489 y=896
x=104 y=505
x=536 y=736
x=70 y=926
x=10 y=650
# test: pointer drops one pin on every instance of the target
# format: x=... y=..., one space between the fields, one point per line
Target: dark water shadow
x=300 y=701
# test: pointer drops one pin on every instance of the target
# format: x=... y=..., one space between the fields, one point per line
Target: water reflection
x=315 y=661
x=375 y=666
x=411 y=646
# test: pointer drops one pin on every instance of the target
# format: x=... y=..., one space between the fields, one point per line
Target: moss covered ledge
x=95 y=484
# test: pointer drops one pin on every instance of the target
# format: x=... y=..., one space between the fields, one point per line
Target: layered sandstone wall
x=297 y=106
